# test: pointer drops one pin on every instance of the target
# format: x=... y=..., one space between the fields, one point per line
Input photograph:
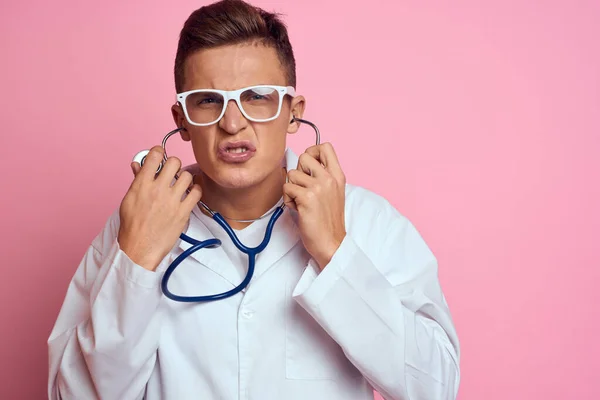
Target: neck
x=243 y=204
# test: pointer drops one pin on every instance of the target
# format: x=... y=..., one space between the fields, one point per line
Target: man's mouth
x=237 y=150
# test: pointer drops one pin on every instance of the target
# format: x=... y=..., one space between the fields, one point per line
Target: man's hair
x=230 y=22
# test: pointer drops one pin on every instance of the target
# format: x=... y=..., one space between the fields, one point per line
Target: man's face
x=230 y=68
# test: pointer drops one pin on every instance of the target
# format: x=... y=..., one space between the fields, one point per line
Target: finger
x=192 y=198
x=310 y=165
x=151 y=163
x=289 y=203
x=300 y=178
x=287 y=200
x=135 y=168
x=169 y=170
x=326 y=155
x=294 y=193
x=183 y=182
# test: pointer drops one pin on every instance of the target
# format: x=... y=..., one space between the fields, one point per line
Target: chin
x=237 y=179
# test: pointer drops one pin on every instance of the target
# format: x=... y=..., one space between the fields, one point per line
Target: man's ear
x=296 y=111
x=179 y=119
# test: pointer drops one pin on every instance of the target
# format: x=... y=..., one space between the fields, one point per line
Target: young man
x=345 y=298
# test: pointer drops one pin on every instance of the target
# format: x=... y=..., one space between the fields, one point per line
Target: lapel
x=285 y=232
x=214 y=259
x=285 y=237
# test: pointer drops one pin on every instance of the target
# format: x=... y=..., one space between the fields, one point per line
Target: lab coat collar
x=285 y=236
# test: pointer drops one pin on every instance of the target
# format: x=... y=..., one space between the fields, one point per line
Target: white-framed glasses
x=261 y=103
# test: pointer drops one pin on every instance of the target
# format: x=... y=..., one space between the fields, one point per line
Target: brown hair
x=230 y=22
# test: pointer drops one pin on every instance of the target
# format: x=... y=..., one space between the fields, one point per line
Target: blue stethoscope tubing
x=251 y=252
x=196 y=245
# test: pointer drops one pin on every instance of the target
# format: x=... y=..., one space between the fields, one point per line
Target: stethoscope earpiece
x=303 y=121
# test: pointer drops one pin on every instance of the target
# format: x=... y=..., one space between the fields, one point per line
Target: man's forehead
x=232 y=67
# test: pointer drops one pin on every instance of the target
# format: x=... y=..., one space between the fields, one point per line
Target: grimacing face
x=228 y=68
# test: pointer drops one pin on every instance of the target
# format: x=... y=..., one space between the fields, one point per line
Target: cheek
x=272 y=138
x=199 y=141
x=202 y=145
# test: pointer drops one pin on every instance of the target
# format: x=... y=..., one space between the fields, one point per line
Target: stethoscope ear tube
x=317 y=133
x=211 y=243
x=141 y=156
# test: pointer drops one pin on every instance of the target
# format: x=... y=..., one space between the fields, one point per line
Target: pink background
x=479 y=120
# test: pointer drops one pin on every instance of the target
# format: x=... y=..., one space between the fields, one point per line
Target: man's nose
x=233 y=120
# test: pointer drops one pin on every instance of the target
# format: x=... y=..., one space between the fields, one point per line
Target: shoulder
x=374 y=222
x=367 y=208
x=108 y=234
x=386 y=236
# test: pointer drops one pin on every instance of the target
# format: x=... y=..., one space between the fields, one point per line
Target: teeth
x=237 y=150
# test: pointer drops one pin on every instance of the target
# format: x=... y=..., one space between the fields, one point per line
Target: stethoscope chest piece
x=141 y=157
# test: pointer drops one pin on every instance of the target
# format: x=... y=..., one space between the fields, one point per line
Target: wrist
x=145 y=262
x=140 y=257
x=323 y=258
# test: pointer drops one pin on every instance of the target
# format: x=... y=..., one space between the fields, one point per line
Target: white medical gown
x=374 y=318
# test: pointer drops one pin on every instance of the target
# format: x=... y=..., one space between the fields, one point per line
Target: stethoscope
x=196 y=245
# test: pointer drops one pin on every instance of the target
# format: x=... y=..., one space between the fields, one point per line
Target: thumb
x=135 y=168
x=288 y=200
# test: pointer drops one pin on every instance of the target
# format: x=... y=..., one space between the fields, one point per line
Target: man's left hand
x=317 y=191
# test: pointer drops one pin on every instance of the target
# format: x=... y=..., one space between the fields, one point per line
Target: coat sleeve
x=104 y=342
x=381 y=301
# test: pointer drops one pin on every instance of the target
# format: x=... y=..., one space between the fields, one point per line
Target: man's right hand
x=152 y=212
